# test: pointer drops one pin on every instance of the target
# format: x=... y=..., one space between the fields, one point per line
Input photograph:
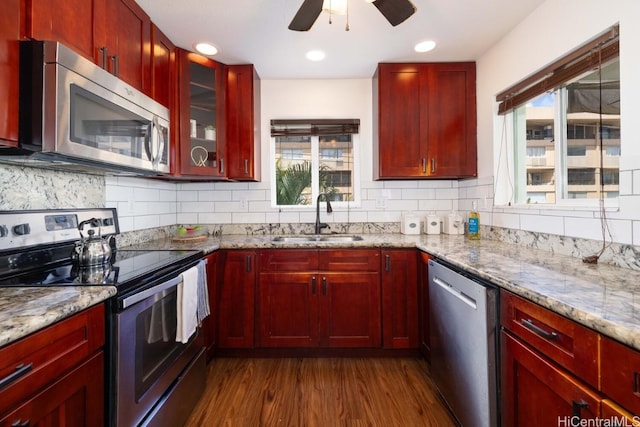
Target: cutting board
x=189 y=239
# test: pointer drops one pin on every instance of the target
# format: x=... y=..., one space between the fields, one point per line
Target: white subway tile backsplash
x=542 y=224
x=249 y=218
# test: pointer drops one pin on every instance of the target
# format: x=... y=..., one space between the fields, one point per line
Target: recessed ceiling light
x=425 y=46
x=206 y=48
x=315 y=55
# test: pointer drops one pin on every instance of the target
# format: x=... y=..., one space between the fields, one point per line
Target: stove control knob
x=4 y=232
x=21 y=229
x=106 y=222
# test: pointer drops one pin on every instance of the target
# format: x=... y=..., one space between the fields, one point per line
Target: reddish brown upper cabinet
x=124 y=42
x=399 y=298
x=9 y=71
x=236 y=299
x=163 y=57
x=425 y=121
x=74 y=23
x=115 y=34
x=243 y=123
x=201 y=142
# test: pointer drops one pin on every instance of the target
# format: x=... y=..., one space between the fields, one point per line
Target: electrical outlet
x=381 y=203
x=243 y=204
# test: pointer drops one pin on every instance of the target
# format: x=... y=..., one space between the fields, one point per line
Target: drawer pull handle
x=528 y=323
x=324 y=286
x=20 y=370
x=577 y=407
x=21 y=423
x=313 y=285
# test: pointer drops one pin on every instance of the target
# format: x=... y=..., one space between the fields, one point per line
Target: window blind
x=589 y=56
x=309 y=127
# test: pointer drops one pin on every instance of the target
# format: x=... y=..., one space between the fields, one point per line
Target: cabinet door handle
x=433 y=165
x=20 y=423
x=387 y=263
x=116 y=65
x=105 y=57
x=248 y=263
x=424 y=165
x=246 y=166
x=19 y=371
x=324 y=286
x=577 y=408
x=222 y=166
x=528 y=323
x=313 y=285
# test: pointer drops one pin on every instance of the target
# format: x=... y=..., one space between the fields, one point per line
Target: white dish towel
x=187 y=308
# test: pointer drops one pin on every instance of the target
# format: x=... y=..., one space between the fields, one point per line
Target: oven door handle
x=136 y=298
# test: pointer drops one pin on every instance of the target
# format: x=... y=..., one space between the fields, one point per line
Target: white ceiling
x=255 y=31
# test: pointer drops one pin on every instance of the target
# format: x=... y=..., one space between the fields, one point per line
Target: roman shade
x=309 y=127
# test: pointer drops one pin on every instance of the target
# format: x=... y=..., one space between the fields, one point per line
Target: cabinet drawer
x=289 y=260
x=564 y=341
x=621 y=374
x=34 y=361
x=359 y=260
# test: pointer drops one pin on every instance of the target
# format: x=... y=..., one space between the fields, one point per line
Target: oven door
x=147 y=357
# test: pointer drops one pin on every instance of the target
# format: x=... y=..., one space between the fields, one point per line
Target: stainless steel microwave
x=74 y=112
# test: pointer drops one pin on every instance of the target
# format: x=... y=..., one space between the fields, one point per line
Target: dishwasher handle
x=471 y=302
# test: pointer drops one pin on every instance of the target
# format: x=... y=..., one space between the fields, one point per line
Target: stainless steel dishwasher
x=463 y=339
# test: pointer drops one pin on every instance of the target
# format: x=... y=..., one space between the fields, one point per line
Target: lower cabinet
x=536 y=392
x=334 y=303
x=56 y=376
x=75 y=400
x=423 y=304
x=399 y=276
x=236 y=299
x=208 y=327
x=557 y=372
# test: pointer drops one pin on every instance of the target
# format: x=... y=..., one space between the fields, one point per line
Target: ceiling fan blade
x=306 y=16
x=396 y=11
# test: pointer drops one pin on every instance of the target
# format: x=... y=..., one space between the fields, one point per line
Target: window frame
x=316 y=156
x=507 y=117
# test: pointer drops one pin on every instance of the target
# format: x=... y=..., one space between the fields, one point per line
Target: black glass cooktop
x=126 y=266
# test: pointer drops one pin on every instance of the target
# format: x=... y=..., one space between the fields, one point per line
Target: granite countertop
x=26 y=310
x=602 y=297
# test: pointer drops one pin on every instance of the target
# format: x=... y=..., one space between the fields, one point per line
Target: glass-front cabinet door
x=202 y=141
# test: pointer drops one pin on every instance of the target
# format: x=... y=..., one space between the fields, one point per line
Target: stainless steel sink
x=294 y=239
x=340 y=239
x=336 y=238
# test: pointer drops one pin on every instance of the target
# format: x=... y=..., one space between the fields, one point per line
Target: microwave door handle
x=159 y=142
x=148 y=140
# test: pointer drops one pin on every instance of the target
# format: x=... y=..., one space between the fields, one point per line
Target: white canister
x=410 y=224
x=453 y=224
x=432 y=224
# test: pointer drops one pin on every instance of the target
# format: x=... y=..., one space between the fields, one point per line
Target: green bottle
x=474 y=222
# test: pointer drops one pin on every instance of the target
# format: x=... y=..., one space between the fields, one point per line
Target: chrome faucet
x=321 y=225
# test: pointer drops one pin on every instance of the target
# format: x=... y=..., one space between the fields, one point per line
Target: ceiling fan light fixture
x=315 y=55
x=205 y=48
x=425 y=46
x=335 y=7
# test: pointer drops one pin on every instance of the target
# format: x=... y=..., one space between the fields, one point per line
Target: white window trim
x=315 y=161
x=506 y=160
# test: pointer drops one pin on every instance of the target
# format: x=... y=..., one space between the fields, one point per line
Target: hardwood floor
x=323 y=392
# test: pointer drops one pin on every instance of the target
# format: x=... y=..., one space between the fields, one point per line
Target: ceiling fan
x=396 y=12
